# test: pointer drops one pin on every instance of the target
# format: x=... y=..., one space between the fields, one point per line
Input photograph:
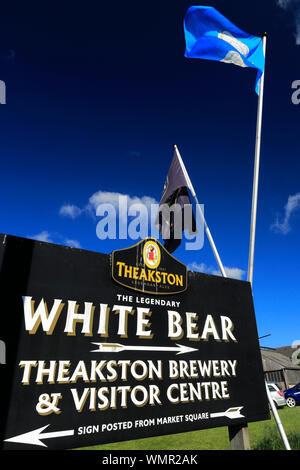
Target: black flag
x=175 y=197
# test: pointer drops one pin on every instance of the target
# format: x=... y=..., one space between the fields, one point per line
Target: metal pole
x=278 y=421
x=256 y=170
x=207 y=231
x=253 y=223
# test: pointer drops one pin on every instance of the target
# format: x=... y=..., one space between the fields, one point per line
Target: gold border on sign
x=145 y=291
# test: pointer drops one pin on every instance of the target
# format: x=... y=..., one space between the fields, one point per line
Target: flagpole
x=256 y=169
x=253 y=223
x=207 y=231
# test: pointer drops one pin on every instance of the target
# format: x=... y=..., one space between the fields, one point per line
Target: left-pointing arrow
x=34 y=437
x=232 y=413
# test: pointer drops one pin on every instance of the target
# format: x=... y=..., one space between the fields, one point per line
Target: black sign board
x=90 y=361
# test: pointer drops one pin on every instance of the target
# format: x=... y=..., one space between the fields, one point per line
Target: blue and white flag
x=209 y=35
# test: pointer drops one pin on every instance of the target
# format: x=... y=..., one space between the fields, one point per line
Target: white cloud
x=194 y=266
x=119 y=199
x=46 y=236
x=292 y=205
x=121 y=202
x=73 y=243
x=42 y=237
x=70 y=210
x=283 y=3
x=234 y=273
x=294 y=7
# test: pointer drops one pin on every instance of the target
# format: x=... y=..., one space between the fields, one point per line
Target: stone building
x=279 y=368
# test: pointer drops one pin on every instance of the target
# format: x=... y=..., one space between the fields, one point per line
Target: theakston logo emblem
x=151 y=254
x=148 y=267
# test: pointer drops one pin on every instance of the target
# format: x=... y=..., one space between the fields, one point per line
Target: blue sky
x=96 y=95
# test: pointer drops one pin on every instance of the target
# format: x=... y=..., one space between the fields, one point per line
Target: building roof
x=286 y=350
x=273 y=360
x=293 y=352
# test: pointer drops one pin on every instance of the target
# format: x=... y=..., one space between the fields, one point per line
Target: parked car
x=292 y=396
x=277 y=394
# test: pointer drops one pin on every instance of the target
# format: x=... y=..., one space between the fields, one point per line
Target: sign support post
x=239 y=437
